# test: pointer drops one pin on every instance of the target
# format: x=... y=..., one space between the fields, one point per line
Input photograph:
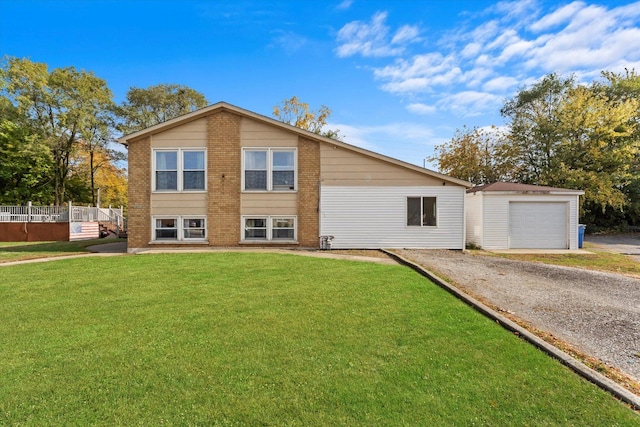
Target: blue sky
x=399 y=76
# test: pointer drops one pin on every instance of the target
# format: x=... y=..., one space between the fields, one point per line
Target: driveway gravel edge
x=577 y=366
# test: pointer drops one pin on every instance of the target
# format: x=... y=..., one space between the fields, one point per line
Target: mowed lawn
x=267 y=339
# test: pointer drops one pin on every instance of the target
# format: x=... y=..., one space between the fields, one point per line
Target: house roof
x=512 y=187
x=169 y=124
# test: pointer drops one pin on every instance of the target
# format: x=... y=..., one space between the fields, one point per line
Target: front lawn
x=267 y=339
x=19 y=251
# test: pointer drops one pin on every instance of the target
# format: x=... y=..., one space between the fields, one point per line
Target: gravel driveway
x=598 y=313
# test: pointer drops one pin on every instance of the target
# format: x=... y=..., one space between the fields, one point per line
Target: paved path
x=627 y=244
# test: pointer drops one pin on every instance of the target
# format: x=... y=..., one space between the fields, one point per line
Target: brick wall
x=308 y=192
x=139 y=219
x=223 y=179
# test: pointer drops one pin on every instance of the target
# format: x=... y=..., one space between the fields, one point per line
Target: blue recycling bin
x=581 y=228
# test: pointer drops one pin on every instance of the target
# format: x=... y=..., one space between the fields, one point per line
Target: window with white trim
x=179 y=228
x=269 y=228
x=179 y=170
x=269 y=169
x=422 y=211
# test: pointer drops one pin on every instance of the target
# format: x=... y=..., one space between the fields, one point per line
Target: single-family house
x=227 y=177
x=505 y=215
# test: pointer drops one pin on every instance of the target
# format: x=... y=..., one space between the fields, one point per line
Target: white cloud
x=344 y=5
x=500 y=84
x=371 y=39
x=560 y=16
x=471 y=68
x=419 y=108
x=470 y=103
x=288 y=41
x=406 y=34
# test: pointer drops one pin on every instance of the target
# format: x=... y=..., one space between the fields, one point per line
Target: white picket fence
x=69 y=213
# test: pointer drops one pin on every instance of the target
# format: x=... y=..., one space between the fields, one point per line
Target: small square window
x=194 y=228
x=422 y=211
x=255 y=229
x=283 y=229
x=166 y=229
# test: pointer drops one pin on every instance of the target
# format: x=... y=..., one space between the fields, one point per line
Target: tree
x=156 y=104
x=473 y=155
x=105 y=176
x=26 y=165
x=596 y=151
x=61 y=106
x=575 y=136
x=296 y=113
x=534 y=132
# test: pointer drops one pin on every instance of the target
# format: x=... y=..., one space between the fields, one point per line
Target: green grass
x=597 y=260
x=18 y=251
x=267 y=339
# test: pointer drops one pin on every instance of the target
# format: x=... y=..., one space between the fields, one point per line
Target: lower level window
x=179 y=228
x=421 y=211
x=269 y=228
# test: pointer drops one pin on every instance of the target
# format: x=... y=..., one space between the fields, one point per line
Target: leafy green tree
x=156 y=104
x=474 y=155
x=25 y=166
x=61 y=106
x=297 y=113
x=534 y=129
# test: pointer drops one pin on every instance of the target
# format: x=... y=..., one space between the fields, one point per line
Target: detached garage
x=506 y=215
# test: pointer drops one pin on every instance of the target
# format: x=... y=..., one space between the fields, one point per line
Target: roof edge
x=194 y=115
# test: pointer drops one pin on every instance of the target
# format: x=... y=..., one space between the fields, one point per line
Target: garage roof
x=513 y=187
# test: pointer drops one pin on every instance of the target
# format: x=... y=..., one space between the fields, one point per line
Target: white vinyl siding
x=474 y=217
x=376 y=217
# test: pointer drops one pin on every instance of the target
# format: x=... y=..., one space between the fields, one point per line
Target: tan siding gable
x=178 y=203
x=256 y=134
x=191 y=134
x=343 y=167
x=269 y=203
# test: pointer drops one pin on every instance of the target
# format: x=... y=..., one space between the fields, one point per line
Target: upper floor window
x=421 y=211
x=269 y=169
x=179 y=170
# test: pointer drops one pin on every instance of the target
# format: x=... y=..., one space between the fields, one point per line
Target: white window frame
x=269 y=222
x=422 y=225
x=270 y=151
x=180 y=171
x=179 y=220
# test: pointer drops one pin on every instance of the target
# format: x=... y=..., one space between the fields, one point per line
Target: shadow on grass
x=53 y=247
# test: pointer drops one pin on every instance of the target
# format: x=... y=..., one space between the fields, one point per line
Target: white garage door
x=538 y=225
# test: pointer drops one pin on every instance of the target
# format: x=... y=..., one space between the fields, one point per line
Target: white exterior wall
x=495 y=211
x=376 y=217
x=474 y=217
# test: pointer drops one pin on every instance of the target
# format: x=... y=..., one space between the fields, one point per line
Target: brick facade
x=308 y=192
x=139 y=211
x=223 y=178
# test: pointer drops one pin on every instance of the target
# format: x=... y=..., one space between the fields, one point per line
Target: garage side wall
x=495 y=212
x=474 y=218
x=376 y=217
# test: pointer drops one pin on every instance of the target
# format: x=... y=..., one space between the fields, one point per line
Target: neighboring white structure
x=519 y=216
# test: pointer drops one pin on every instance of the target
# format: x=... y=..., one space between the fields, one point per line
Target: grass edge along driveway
x=247 y=338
